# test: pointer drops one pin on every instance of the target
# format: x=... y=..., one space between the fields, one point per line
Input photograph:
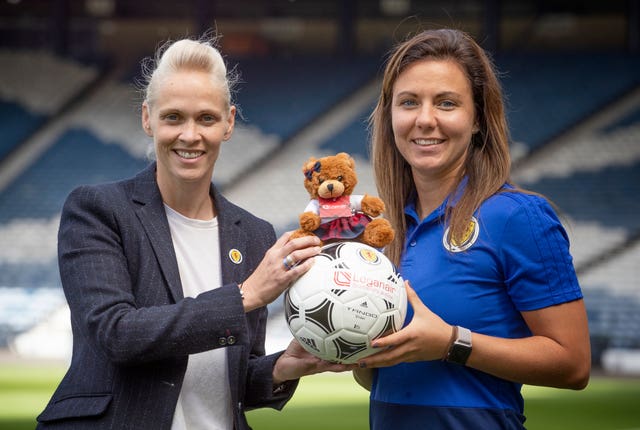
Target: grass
x=25 y=389
x=318 y=398
x=607 y=404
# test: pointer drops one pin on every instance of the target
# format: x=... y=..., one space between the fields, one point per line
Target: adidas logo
x=310 y=342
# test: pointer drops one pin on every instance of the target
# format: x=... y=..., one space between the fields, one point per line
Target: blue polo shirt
x=514 y=257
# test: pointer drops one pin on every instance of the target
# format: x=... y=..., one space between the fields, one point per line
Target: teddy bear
x=334 y=213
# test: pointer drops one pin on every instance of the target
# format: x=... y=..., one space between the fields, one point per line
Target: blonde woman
x=167 y=281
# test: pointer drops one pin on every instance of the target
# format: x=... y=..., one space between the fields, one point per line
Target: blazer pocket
x=88 y=405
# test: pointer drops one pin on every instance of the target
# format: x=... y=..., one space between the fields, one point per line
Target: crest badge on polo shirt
x=468 y=238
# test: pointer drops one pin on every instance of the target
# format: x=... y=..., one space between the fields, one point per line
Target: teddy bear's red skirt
x=343 y=228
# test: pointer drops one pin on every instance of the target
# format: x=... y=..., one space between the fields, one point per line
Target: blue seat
x=283 y=95
x=630 y=119
x=78 y=157
x=16 y=124
x=613 y=318
x=354 y=138
x=608 y=196
x=549 y=93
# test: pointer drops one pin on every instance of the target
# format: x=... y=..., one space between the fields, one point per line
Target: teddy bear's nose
x=330 y=187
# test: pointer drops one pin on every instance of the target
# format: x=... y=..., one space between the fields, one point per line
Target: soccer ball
x=352 y=295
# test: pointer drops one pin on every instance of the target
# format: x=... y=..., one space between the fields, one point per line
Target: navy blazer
x=132 y=328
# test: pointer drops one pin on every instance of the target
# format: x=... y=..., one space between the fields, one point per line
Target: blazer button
x=231 y=340
x=222 y=341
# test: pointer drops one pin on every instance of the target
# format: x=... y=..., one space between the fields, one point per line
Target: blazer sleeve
x=119 y=299
x=260 y=391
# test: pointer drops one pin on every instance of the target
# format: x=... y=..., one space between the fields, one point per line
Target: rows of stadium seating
x=603 y=191
x=28 y=97
x=547 y=93
x=20 y=125
x=22 y=308
x=547 y=96
x=282 y=102
x=283 y=96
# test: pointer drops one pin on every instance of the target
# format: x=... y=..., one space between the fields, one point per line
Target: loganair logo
x=469 y=237
x=342 y=278
x=369 y=255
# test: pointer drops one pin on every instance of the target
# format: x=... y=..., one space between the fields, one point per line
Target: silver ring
x=288 y=262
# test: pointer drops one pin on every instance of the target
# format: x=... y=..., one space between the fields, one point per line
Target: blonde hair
x=186 y=54
x=487 y=166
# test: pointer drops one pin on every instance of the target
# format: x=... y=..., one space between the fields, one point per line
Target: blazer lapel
x=233 y=241
x=233 y=255
x=151 y=213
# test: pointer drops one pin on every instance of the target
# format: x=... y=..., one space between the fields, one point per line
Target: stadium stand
x=283 y=95
x=350 y=139
x=628 y=122
x=28 y=96
x=17 y=124
x=607 y=192
x=100 y=140
x=546 y=96
x=549 y=93
x=76 y=157
x=580 y=135
x=592 y=176
x=23 y=308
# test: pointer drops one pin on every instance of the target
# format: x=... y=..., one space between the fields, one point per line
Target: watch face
x=461 y=348
x=459 y=353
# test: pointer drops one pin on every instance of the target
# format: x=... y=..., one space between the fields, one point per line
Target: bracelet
x=454 y=336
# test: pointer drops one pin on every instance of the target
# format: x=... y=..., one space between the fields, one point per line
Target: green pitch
x=607 y=404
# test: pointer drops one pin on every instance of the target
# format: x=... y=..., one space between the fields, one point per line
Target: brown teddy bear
x=334 y=213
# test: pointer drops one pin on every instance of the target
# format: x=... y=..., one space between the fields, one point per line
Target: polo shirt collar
x=412 y=214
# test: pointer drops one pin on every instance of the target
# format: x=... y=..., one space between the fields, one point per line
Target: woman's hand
x=364 y=377
x=557 y=353
x=296 y=362
x=282 y=264
x=426 y=337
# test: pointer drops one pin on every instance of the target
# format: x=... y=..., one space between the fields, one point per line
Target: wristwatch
x=460 y=348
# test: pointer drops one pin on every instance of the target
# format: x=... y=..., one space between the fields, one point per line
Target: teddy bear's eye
x=320 y=179
x=339 y=178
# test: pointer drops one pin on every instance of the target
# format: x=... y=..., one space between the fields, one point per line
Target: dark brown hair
x=487 y=166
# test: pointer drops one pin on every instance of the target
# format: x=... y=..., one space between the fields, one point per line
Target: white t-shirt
x=205 y=398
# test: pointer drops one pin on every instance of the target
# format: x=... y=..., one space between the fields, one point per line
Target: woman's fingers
x=298 y=250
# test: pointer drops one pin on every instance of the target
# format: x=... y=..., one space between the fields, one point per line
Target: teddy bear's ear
x=311 y=167
x=347 y=158
x=308 y=164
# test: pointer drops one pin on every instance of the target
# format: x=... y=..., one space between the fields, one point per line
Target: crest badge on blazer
x=235 y=256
